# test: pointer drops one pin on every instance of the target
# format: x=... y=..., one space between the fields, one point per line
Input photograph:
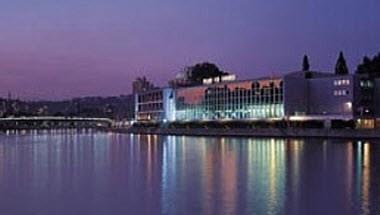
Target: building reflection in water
x=266 y=176
x=223 y=173
x=101 y=173
x=364 y=177
x=265 y=166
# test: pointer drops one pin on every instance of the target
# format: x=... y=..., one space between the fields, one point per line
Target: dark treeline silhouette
x=200 y=71
x=340 y=67
x=115 y=107
x=194 y=75
x=370 y=66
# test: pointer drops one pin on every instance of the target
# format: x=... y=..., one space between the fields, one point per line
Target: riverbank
x=259 y=132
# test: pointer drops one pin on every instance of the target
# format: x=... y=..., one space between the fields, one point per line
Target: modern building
x=155 y=105
x=252 y=99
x=296 y=96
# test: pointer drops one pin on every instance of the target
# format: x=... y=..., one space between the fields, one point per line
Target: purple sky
x=60 y=49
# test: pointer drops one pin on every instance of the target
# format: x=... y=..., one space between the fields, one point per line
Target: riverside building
x=297 y=96
x=156 y=105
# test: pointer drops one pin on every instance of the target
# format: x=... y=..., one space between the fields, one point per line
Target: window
x=366 y=84
x=341 y=92
x=342 y=82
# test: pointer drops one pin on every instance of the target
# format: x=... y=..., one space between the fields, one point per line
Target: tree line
x=369 y=66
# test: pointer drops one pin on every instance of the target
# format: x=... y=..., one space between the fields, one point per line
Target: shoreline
x=258 y=133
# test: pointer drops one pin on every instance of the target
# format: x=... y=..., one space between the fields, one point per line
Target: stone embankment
x=259 y=132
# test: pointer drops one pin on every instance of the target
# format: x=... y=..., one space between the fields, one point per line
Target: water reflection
x=104 y=173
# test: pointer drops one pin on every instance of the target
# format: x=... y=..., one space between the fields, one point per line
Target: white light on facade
x=348 y=106
x=207 y=81
x=229 y=78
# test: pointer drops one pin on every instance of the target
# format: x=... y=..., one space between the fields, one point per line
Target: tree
x=370 y=66
x=204 y=70
x=341 y=66
x=305 y=63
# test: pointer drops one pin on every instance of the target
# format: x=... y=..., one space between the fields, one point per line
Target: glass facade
x=256 y=99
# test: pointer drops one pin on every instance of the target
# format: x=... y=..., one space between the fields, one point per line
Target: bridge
x=51 y=122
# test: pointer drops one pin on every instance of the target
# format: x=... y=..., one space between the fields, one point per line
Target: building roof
x=313 y=74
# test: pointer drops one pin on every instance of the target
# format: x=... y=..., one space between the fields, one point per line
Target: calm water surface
x=66 y=172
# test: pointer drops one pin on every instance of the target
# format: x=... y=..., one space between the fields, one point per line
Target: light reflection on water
x=66 y=172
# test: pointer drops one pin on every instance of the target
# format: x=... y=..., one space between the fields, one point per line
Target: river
x=66 y=172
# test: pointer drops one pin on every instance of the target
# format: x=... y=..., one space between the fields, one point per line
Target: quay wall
x=259 y=132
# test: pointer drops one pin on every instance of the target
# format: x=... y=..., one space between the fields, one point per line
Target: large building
x=155 y=105
x=297 y=96
x=253 y=99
